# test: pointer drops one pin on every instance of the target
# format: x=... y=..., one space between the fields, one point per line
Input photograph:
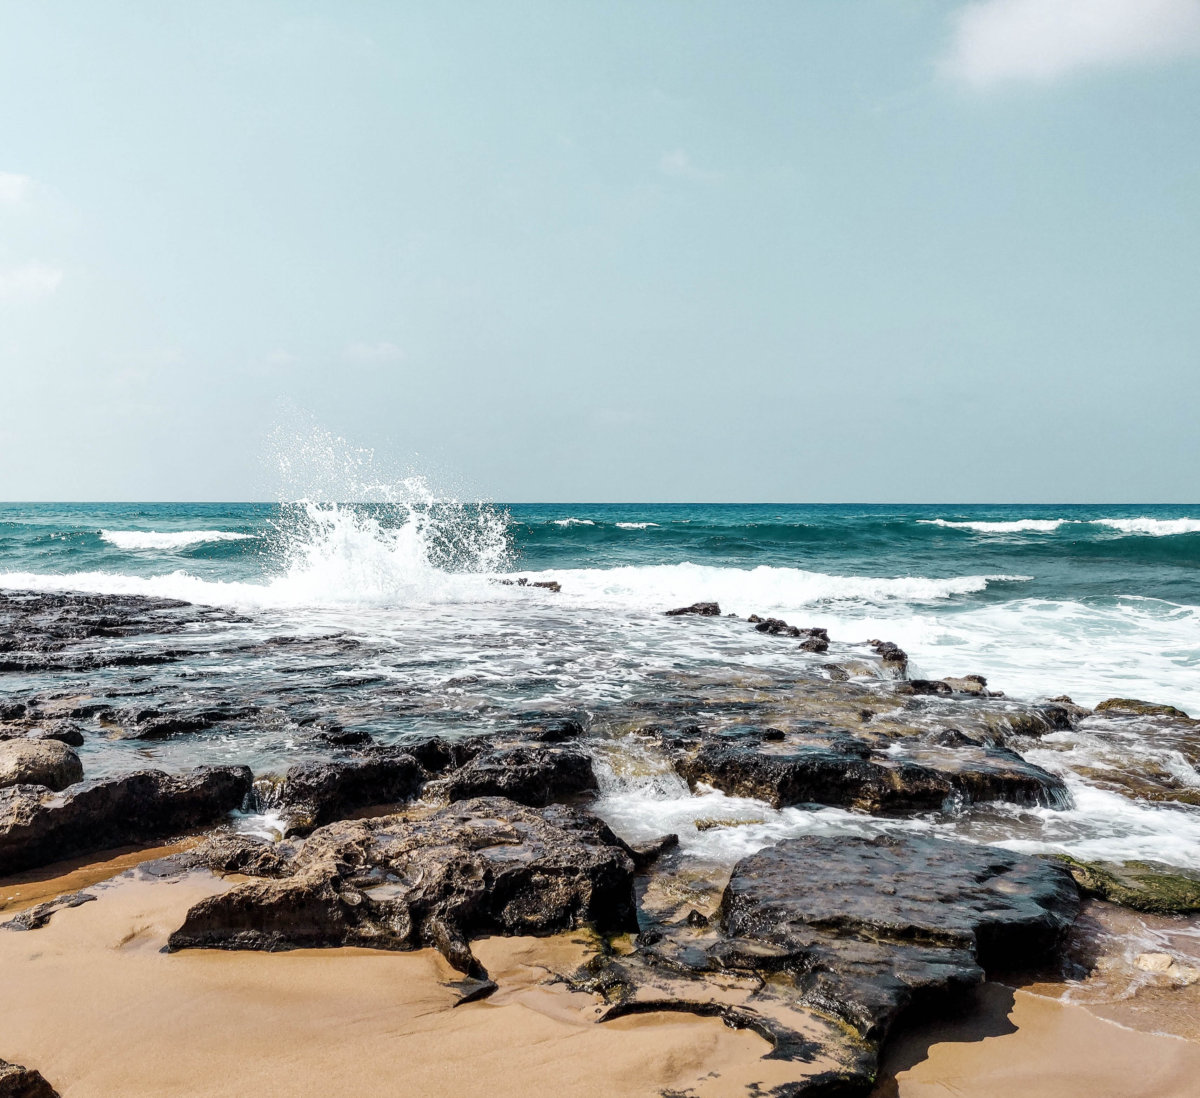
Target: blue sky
x=813 y=250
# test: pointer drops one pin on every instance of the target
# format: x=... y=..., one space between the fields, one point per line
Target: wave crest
x=134 y=540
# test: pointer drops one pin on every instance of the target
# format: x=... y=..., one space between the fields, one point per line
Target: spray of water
x=352 y=530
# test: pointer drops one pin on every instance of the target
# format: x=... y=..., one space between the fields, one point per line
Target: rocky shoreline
x=821 y=945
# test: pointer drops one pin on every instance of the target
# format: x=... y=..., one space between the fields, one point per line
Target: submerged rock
x=38 y=827
x=63 y=731
x=23 y=1082
x=1153 y=887
x=484 y=866
x=39 y=762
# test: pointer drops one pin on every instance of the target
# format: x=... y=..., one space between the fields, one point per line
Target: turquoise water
x=1090 y=600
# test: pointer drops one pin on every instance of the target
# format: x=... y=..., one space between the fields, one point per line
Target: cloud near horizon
x=997 y=41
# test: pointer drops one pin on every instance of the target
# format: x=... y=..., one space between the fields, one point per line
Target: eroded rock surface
x=38 y=827
x=484 y=866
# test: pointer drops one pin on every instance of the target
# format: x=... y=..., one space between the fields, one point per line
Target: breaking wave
x=134 y=540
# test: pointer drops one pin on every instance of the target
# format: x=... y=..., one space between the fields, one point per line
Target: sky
x=807 y=250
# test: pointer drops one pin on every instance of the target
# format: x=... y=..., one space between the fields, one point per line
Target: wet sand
x=93 y=1003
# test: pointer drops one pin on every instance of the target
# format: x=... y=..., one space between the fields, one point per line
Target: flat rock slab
x=483 y=866
x=38 y=827
x=875 y=927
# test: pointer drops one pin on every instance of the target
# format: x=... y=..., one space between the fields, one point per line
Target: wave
x=573 y=522
x=1016 y=526
x=765 y=589
x=133 y=540
x=635 y=525
x=1151 y=526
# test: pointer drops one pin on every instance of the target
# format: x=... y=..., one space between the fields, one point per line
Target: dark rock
x=39 y=762
x=63 y=731
x=35 y=918
x=1154 y=887
x=925 y=687
x=38 y=827
x=314 y=793
x=967 y=684
x=530 y=775
x=22 y=1082
x=343 y=737
x=703 y=609
x=552 y=730
x=893 y=656
x=486 y=866
x=646 y=854
x=876 y=927
x=152 y=724
x=523 y=581
x=1132 y=707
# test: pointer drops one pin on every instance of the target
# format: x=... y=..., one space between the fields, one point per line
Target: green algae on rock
x=1153 y=887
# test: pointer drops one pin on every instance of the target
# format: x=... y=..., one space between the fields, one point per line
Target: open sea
x=1089 y=601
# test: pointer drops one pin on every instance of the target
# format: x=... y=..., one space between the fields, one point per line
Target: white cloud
x=370 y=353
x=29 y=281
x=14 y=188
x=1040 y=40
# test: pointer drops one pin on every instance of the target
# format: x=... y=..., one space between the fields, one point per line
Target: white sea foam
x=1154 y=527
x=573 y=522
x=635 y=525
x=1016 y=526
x=133 y=540
x=765 y=589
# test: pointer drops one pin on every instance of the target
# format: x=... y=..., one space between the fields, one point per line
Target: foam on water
x=133 y=540
x=1151 y=526
x=1016 y=526
x=1145 y=526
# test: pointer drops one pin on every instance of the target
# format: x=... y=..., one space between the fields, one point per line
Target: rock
x=1153 y=887
x=485 y=866
x=1132 y=707
x=645 y=854
x=703 y=609
x=838 y=769
x=154 y=724
x=876 y=927
x=1163 y=964
x=894 y=658
x=311 y=794
x=38 y=827
x=22 y=1082
x=968 y=684
x=815 y=639
x=523 y=581
x=39 y=762
x=927 y=687
x=35 y=918
x=63 y=731
x=530 y=775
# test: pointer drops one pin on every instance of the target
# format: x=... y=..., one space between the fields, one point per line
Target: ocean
x=1088 y=601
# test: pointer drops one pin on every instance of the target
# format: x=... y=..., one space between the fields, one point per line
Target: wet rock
x=523 y=581
x=894 y=658
x=1075 y=712
x=838 y=769
x=646 y=854
x=877 y=927
x=924 y=687
x=39 y=762
x=485 y=866
x=38 y=827
x=63 y=731
x=1154 y=887
x=314 y=793
x=530 y=775
x=814 y=639
x=153 y=724
x=1132 y=707
x=22 y=1082
x=343 y=737
x=1163 y=964
x=37 y=917
x=968 y=684
x=702 y=609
